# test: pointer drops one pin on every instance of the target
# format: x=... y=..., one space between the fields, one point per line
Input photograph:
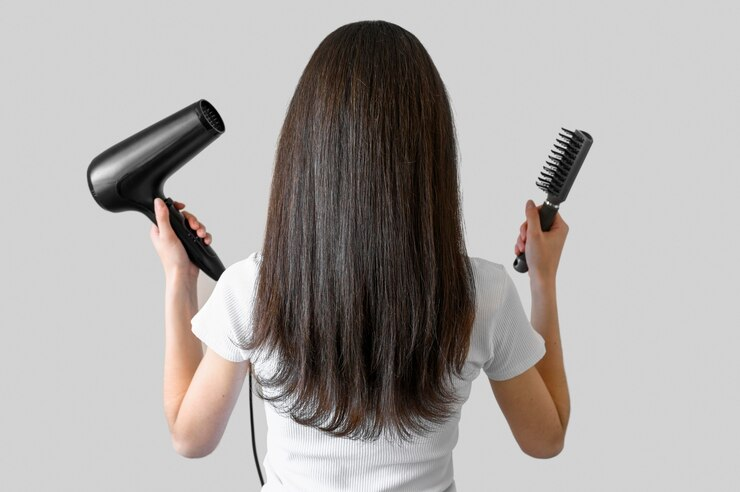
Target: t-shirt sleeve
x=516 y=345
x=223 y=322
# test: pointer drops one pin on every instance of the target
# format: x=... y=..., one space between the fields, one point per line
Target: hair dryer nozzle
x=211 y=116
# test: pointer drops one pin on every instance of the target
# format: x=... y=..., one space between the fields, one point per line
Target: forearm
x=544 y=319
x=183 y=350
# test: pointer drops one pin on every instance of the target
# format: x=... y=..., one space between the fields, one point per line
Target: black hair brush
x=557 y=178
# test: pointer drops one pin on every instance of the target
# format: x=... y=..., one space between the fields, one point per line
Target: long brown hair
x=365 y=292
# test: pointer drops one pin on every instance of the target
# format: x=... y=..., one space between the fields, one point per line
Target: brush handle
x=547 y=217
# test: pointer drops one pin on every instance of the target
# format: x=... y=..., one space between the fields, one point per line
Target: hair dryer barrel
x=130 y=174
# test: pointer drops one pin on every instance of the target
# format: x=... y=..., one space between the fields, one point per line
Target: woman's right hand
x=541 y=248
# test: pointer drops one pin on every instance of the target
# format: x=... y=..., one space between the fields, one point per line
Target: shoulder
x=490 y=278
x=481 y=265
x=495 y=291
x=240 y=277
x=248 y=265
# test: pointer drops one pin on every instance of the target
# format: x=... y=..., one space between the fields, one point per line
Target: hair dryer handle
x=201 y=254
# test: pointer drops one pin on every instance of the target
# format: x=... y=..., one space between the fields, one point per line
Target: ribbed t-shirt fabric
x=300 y=458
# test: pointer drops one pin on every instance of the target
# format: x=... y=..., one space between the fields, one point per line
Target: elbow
x=547 y=449
x=546 y=453
x=188 y=450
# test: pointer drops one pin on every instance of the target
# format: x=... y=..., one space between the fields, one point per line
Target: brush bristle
x=560 y=162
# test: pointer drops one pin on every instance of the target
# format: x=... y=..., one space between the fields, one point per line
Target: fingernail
x=530 y=204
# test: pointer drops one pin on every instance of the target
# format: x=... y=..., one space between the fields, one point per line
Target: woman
x=363 y=320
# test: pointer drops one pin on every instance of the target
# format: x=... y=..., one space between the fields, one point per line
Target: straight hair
x=365 y=293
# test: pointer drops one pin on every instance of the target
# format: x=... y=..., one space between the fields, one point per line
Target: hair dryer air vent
x=211 y=115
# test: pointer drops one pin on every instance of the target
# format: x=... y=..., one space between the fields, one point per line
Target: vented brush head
x=563 y=164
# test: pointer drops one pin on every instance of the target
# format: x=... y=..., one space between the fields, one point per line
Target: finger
x=201 y=232
x=163 y=218
x=192 y=220
x=178 y=205
x=533 y=218
x=522 y=236
x=208 y=238
x=518 y=248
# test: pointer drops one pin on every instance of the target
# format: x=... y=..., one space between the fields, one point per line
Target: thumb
x=163 y=217
x=533 y=218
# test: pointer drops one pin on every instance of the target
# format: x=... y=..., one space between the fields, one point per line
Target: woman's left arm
x=200 y=391
x=183 y=350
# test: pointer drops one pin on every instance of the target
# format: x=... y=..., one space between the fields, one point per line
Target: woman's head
x=365 y=291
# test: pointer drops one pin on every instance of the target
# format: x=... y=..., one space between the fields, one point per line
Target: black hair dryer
x=129 y=175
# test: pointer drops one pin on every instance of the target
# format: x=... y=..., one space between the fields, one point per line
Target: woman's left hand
x=168 y=245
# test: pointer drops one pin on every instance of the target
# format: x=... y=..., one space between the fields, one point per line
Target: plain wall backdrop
x=648 y=280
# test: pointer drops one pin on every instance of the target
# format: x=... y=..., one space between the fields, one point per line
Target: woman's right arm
x=544 y=319
x=536 y=403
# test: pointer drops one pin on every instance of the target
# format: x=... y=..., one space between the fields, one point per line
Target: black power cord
x=251 y=425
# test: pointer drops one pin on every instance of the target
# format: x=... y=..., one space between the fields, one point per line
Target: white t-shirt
x=503 y=344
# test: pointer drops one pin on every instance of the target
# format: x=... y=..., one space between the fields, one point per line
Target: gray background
x=648 y=279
